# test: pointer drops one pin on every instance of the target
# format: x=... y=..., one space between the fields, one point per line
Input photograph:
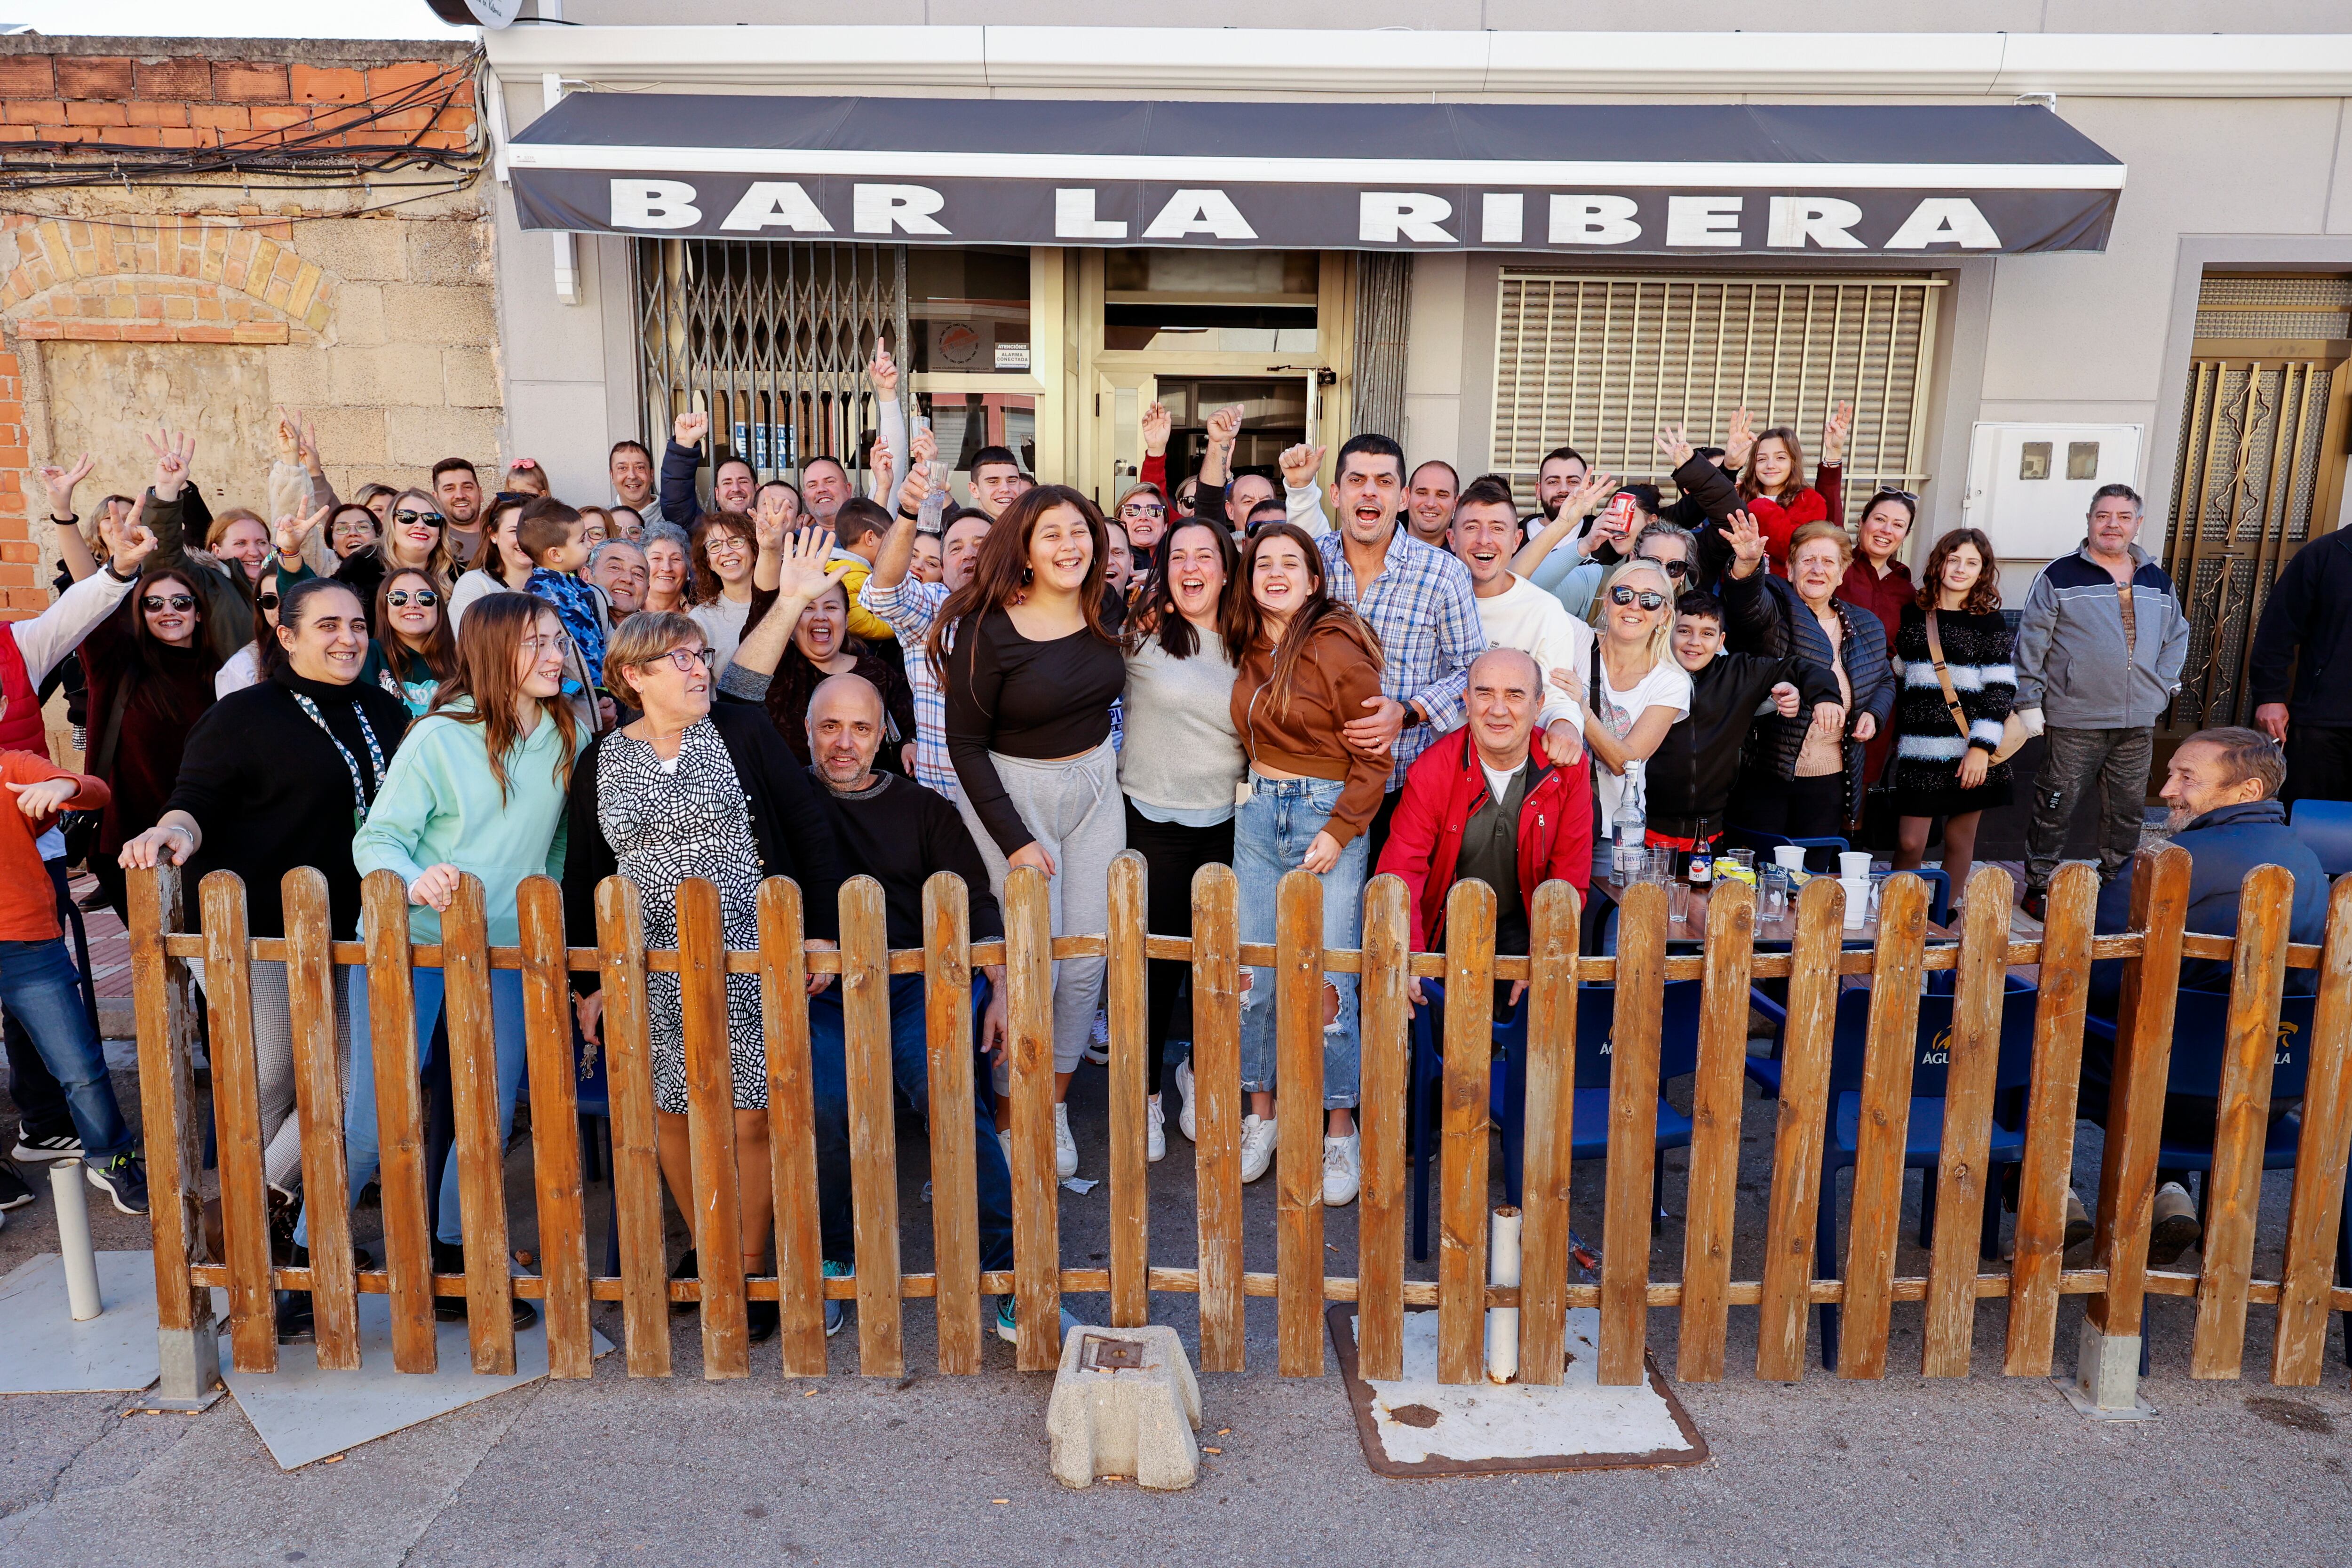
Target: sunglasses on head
x=174 y=601
x=1673 y=569
x=406 y=515
x=1648 y=598
x=407 y=596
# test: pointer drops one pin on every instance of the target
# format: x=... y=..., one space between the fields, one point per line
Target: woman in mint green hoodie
x=478 y=785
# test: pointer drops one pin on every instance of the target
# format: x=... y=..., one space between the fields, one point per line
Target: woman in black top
x=1029 y=673
x=1939 y=772
x=275 y=776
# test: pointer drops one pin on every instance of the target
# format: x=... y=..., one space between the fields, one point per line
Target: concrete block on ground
x=1125 y=1403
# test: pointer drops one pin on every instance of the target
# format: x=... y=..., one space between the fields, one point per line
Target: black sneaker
x=451 y=1259
x=762 y=1319
x=31 y=1145
x=285 y=1209
x=123 y=1179
x=295 y=1323
x=14 y=1193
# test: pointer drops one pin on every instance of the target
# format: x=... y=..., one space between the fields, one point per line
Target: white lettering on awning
x=776 y=204
x=1703 y=220
x=1386 y=217
x=1209 y=211
x=1073 y=217
x=1797 y=221
x=654 y=204
x=1502 y=218
x=879 y=209
x=1594 y=220
x=1945 y=220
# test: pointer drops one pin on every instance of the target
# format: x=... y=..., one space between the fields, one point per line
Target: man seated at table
x=1480 y=802
x=899 y=833
x=2223 y=786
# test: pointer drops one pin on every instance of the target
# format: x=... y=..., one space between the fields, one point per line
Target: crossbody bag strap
x=1944 y=677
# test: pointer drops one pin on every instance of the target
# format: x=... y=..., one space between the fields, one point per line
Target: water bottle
x=1628 y=828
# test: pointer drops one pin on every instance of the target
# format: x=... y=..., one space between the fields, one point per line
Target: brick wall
x=91 y=101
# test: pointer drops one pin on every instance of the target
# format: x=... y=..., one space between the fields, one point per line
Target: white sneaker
x=1343 y=1170
x=1155 y=1131
x=1257 y=1146
x=1004 y=1141
x=1065 y=1147
x=1184 y=1098
x=1098 y=1041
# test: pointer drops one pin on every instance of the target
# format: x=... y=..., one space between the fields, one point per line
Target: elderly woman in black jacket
x=690 y=790
x=1803 y=778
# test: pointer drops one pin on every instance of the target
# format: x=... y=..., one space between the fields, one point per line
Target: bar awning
x=1651 y=179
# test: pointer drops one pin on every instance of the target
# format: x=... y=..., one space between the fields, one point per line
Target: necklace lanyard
x=361 y=789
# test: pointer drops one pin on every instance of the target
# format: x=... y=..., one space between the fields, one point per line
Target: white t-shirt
x=1667 y=685
x=722 y=621
x=1499 y=780
x=1525 y=617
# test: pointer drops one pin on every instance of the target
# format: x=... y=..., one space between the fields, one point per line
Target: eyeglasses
x=405 y=515
x=407 y=596
x=559 y=642
x=1143 y=509
x=1648 y=598
x=1673 y=569
x=685 y=658
x=176 y=602
x=267 y=601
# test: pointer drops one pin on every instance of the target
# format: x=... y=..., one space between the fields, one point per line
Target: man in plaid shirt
x=907 y=605
x=1417 y=599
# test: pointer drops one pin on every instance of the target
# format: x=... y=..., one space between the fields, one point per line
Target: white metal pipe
x=1503 y=1322
x=71 y=1190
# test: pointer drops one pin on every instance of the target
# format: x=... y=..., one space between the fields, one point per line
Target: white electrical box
x=2030 y=484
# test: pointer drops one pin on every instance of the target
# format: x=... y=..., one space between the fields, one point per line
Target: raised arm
x=680 y=458
x=802 y=572
x=1573 y=508
x=72 y=549
x=889 y=420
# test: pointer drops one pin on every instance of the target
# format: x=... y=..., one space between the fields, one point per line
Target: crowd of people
x=830 y=679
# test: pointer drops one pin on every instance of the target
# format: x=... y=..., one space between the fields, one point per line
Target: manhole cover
x=1100 y=1354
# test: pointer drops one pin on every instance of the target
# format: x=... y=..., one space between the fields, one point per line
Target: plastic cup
x=1852 y=863
x=1789 y=856
x=1857 y=901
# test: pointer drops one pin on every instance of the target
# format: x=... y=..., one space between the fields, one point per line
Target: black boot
x=450 y=1259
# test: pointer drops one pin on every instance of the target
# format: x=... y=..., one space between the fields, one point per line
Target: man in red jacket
x=1480 y=803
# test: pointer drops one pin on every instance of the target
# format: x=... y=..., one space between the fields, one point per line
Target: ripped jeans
x=1270 y=833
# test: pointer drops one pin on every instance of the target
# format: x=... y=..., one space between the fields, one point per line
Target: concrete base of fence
x=2105 y=1385
x=1125 y=1403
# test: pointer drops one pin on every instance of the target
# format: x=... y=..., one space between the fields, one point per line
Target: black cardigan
x=1767 y=617
x=2305 y=637
x=789 y=826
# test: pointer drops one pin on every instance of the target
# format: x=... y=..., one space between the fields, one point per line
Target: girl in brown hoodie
x=1309 y=664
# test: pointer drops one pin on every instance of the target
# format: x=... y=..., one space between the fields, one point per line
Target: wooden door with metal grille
x=2260 y=471
x=1599 y=360
x=771 y=339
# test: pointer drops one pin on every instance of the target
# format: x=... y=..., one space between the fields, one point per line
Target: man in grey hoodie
x=2099 y=650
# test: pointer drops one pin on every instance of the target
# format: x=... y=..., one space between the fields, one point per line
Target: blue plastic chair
x=1507 y=1096
x=1820 y=854
x=2326 y=826
x=1924 y=1140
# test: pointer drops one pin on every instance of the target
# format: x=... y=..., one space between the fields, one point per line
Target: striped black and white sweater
x=1977 y=656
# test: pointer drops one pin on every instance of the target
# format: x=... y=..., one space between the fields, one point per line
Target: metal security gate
x=2259 y=470
x=771 y=339
x=1599 y=360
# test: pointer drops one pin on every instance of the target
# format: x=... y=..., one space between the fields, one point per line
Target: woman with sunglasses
x=413 y=637
x=1143 y=512
x=415 y=539
x=1804 y=777
x=275 y=776
x=1636 y=693
x=251 y=664
x=687 y=790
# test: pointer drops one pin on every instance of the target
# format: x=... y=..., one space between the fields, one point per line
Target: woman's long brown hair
x=440 y=650
x=1750 y=487
x=1984 y=595
x=490 y=689
x=1000 y=575
x=1244 y=622
x=703 y=584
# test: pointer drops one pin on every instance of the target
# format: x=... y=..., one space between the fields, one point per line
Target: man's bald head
x=1521 y=665
x=844 y=731
x=1504 y=693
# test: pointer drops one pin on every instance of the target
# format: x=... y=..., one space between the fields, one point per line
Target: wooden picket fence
x=1704 y=1294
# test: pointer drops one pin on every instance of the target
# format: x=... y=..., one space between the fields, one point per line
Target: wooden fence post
x=1298 y=1122
x=1634 y=1040
x=1217 y=1112
x=637 y=1161
x=792 y=1131
x=1462 y=1165
x=319 y=1101
x=554 y=1082
x=718 y=1177
x=1960 y=1192
x=2043 y=1181
x=1786 y=1297
x=1036 y=1235
x=873 y=1126
x=1884 y=1130
x=187 y=1346
x=1717 y=1097
x=1385 y=1011
x=1550 y=1133
x=400 y=1120
x=955 y=1214
x=481 y=1151
x=1130 y=1190
x=2106 y=1363
x=2316 y=1207
x=237 y=1117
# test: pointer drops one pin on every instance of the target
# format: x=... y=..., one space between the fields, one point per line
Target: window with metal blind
x=1599 y=360
x=771 y=339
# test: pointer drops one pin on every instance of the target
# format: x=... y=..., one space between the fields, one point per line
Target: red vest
x=21 y=727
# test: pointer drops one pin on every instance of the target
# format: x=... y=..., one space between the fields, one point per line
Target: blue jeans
x=1270 y=833
x=363 y=1153
x=41 y=989
x=910 y=1065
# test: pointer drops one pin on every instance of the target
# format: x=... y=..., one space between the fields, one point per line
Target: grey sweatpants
x=2116 y=761
x=273 y=1053
x=1077 y=812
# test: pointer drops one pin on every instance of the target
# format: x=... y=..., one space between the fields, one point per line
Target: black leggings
x=1795 y=808
x=1171 y=852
